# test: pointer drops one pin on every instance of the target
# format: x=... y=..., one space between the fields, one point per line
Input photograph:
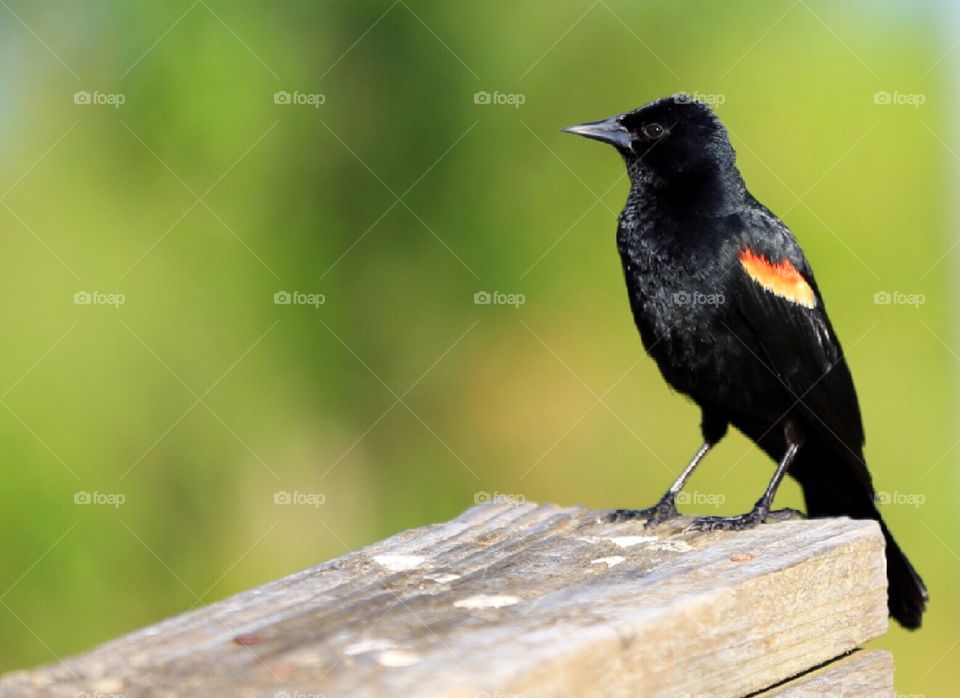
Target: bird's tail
x=834 y=490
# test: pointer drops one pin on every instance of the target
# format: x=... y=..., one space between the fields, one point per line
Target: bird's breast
x=680 y=306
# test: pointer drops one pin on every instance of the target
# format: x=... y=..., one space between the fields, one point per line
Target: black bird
x=728 y=307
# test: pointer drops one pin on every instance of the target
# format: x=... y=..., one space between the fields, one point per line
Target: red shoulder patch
x=781 y=279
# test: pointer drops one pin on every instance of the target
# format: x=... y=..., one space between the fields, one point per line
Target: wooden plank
x=864 y=674
x=518 y=599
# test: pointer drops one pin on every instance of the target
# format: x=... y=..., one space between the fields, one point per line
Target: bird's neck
x=711 y=193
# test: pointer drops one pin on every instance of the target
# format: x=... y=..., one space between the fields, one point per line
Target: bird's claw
x=662 y=511
x=786 y=515
x=742 y=522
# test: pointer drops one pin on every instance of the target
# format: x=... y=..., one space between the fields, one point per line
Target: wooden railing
x=528 y=600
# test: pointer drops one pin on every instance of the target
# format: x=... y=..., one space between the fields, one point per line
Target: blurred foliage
x=399 y=399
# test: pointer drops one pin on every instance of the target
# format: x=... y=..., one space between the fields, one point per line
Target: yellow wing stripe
x=781 y=279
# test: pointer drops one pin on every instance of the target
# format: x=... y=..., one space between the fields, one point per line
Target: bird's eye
x=653 y=130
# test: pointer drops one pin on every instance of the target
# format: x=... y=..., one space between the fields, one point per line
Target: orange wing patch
x=781 y=279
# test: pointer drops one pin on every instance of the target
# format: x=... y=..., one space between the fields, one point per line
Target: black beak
x=606 y=130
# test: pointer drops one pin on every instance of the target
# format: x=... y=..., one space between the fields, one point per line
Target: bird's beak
x=606 y=130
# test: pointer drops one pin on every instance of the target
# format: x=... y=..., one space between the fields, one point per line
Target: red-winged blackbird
x=727 y=306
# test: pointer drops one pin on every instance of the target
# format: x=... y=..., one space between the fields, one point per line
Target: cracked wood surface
x=519 y=599
x=864 y=674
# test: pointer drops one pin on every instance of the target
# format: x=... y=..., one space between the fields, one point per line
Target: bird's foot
x=786 y=515
x=741 y=522
x=744 y=521
x=664 y=510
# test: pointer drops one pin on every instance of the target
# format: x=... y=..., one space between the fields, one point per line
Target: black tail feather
x=906 y=595
x=831 y=489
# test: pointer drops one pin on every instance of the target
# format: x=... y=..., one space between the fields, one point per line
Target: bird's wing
x=777 y=300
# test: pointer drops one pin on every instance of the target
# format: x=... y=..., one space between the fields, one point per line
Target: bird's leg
x=761 y=510
x=666 y=508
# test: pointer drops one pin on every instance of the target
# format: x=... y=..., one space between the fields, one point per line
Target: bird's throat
x=700 y=194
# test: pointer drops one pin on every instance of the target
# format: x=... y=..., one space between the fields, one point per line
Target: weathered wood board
x=864 y=674
x=514 y=599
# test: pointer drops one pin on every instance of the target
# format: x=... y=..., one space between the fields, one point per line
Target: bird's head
x=672 y=138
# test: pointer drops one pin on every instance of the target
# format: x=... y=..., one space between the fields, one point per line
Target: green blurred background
x=399 y=401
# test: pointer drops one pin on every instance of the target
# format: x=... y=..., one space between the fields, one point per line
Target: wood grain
x=864 y=674
x=517 y=599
